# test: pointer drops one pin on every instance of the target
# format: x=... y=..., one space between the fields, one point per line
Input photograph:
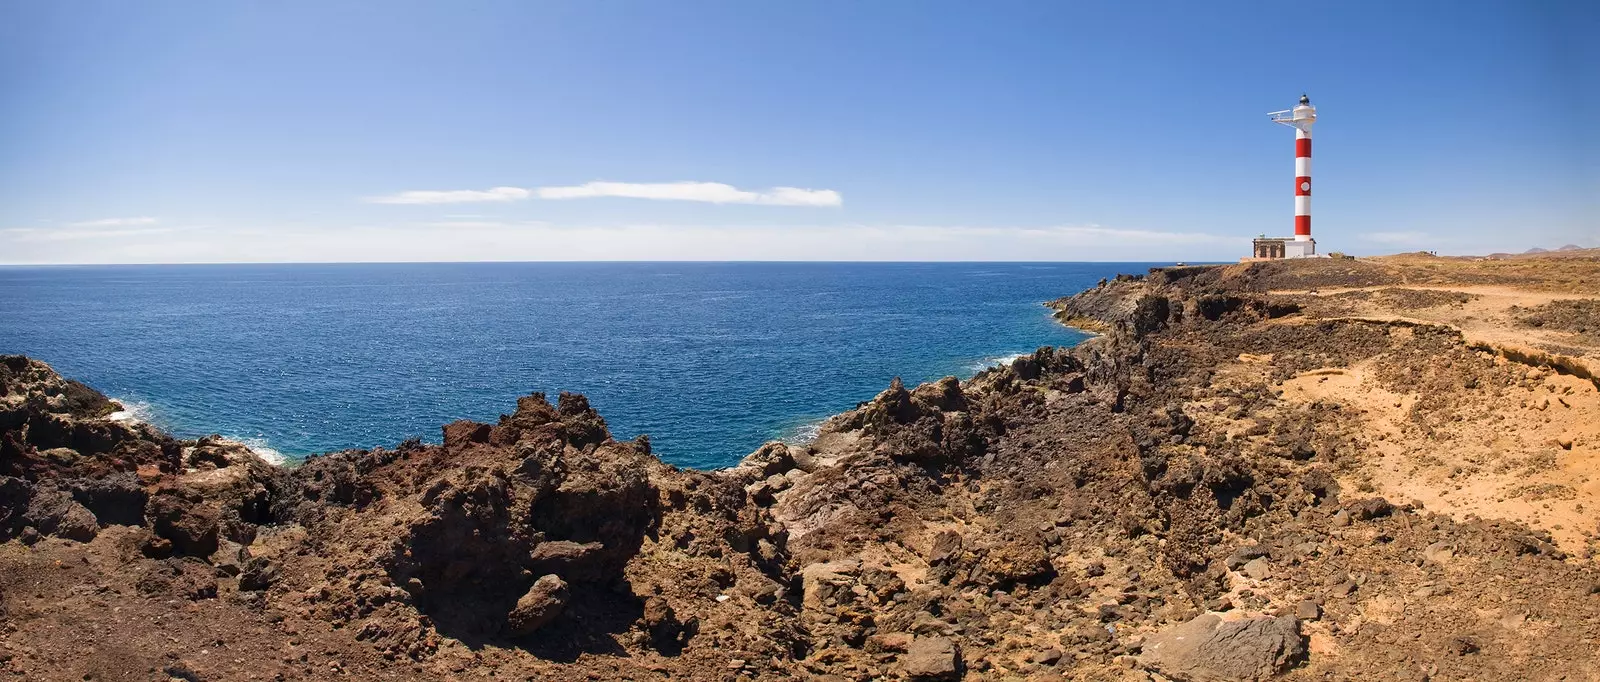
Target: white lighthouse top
x=1299 y=118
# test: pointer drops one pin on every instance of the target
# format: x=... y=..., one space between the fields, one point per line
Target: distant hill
x=1570 y=247
x=1537 y=250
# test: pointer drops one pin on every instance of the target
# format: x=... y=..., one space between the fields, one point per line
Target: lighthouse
x=1301 y=119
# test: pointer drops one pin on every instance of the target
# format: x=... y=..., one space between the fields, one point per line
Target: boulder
x=116 y=499
x=259 y=574
x=773 y=457
x=823 y=580
x=1440 y=552
x=230 y=558
x=192 y=526
x=943 y=395
x=1308 y=610
x=1209 y=648
x=946 y=547
x=1243 y=555
x=667 y=634
x=1372 y=508
x=893 y=642
x=460 y=434
x=54 y=512
x=1022 y=559
x=565 y=500
x=542 y=603
x=570 y=559
x=335 y=479
x=15 y=495
x=932 y=658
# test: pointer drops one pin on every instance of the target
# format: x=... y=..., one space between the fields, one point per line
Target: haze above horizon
x=173 y=132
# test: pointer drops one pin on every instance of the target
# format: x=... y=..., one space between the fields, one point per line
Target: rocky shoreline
x=1216 y=487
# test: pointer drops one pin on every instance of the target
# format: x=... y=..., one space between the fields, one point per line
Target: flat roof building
x=1274 y=248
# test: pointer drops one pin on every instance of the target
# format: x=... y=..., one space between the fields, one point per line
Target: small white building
x=1274 y=248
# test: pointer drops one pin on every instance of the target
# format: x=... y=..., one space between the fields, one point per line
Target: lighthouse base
x=1275 y=248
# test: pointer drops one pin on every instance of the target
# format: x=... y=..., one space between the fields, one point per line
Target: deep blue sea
x=709 y=359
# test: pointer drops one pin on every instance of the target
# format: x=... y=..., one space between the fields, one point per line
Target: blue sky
x=345 y=131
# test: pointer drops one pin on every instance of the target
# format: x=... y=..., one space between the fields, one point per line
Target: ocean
x=709 y=359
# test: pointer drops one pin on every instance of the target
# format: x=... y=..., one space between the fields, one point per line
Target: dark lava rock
x=336 y=479
x=944 y=395
x=54 y=512
x=230 y=558
x=15 y=493
x=191 y=525
x=946 y=547
x=1018 y=560
x=1371 y=508
x=1209 y=648
x=1461 y=646
x=564 y=557
x=258 y=574
x=557 y=502
x=667 y=633
x=116 y=499
x=542 y=603
x=1243 y=555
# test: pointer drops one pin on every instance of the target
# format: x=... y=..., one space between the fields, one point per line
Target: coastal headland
x=1362 y=469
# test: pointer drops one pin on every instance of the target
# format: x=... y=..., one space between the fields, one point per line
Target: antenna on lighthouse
x=1301 y=119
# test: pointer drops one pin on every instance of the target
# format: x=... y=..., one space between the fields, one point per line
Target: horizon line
x=590 y=262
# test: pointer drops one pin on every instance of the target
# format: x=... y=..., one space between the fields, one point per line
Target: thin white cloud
x=1396 y=238
x=486 y=224
x=707 y=192
x=458 y=196
x=115 y=222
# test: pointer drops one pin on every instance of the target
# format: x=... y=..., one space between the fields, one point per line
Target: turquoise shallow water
x=709 y=359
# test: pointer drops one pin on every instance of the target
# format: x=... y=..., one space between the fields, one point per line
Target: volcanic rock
x=54 y=512
x=460 y=434
x=540 y=605
x=116 y=499
x=191 y=524
x=932 y=658
x=259 y=573
x=1209 y=648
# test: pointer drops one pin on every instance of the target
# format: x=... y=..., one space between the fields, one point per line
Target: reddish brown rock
x=542 y=603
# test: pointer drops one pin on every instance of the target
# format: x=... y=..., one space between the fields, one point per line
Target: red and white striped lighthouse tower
x=1301 y=118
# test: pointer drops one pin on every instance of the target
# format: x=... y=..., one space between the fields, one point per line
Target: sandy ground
x=1484 y=314
x=1531 y=453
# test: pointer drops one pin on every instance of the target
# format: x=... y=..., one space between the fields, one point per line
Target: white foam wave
x=994 y=361
x=803 y=434
x=132 y=412
x=259 y=446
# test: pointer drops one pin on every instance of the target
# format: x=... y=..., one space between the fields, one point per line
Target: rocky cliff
x=1297 y=470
